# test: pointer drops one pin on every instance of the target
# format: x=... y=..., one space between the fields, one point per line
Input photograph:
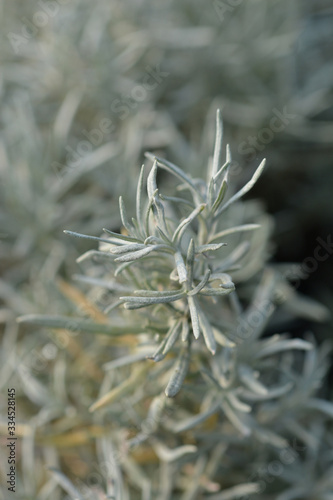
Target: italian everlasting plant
x=205 y=396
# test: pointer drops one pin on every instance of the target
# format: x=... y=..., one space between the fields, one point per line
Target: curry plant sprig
x=186 y=244
x=195 y=271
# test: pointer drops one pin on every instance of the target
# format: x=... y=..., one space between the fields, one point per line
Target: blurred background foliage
x=86 y=88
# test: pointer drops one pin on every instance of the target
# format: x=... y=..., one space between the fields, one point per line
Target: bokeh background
x=87 y=87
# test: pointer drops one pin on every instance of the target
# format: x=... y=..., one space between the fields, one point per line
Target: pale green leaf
x=218 y=143
x=167 y=165
x=191 y=422
x=232 y=230
x=244 y=189
x=200 y=285
x=179 y=374
x=127 y=248
x=87 y=237
x=139 y=198
x=78 y=325
x=194 y=316
x=190 y=261
x=181 y=268
x=207 y=331
x=123 y=215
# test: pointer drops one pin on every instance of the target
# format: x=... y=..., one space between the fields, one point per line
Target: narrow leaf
x=181 y=268
x=168 y=455
x=225 y=279
x=139 y=302
x=136 y=255
x=320 y=405
x=232 y=230
x=157 y=293
x=215 y=292
x=153 y=195
x=158 y=355
x=194 y=316
x=238 y=492
x=78 y=325
x=244 y=189
x=123 y=215
x=222 y=339
x=200 y=285
x=218 y=143
x=273 y=439
x=160 y=214
x=234 y=418
x=139 y=198
x=179 y=374
x=127 y=248
x=149 y=207
x=127 y=360
x=224 y=166
x=121 y=390
x=86 y=236
x=113 y=306
x=94 y=253
x=220 y=196
x=185 y=329
x=154 y=413
x=151 y=181
x=123 y=237
x=210 y=247
x=237 y=404
x=283 y=345
x=136 y=227
x=123 y=267
x=272 y=393
x=226 y=286
x=163 y=235
x=207 y=331
x=153 y=240
x=247 y=376
x=190 y=261
x=172 y=337
x=176 y=199
x=166 y=344
x=167 y=165
x=191 y=422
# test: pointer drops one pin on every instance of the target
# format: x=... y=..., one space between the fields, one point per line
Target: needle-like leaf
x=194 y=316
x=207 y=331
x=232 y=230
x=174 y=170
x=123 y=215
x=87 y=237
x=181 y=268
x=190 y=261
x=218 y=143
x=138 y=302
x=179 y=374
x=139 y=199
x=78 y=325
x=200 y=285
x=244 y=189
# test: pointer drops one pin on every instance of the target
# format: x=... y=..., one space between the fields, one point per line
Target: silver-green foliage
x=214 y=386
x=176 y=259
